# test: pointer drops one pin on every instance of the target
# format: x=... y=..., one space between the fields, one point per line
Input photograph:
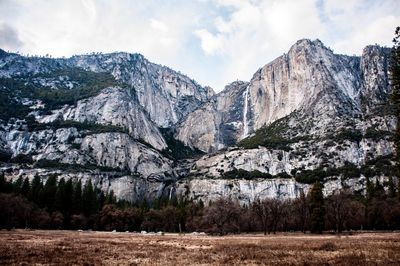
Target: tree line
x=53 y=204
x=68 y=204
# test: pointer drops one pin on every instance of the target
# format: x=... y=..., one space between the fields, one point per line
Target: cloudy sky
x=213 y=41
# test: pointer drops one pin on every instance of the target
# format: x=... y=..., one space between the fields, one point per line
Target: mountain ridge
x=303 y=113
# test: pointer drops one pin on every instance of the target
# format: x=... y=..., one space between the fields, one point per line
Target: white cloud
x=379 y=31
x=90 y=7
x=357 y=23
x=9 y=38
x=257 y=32
x=213 y=41
x=158 y=25
x=210 y=43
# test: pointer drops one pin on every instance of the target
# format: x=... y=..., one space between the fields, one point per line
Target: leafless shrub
x=328 y=246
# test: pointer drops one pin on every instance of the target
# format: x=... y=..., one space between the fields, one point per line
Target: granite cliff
x=118 y=119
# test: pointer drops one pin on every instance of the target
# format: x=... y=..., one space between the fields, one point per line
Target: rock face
x=217 y=123
x=300 y=79
x=166 y=95
x=310 y=80
x=374 y=72
x=113 y=106
x=308 y=115
x=309 y=110
x=115 y=128
x=114 y=150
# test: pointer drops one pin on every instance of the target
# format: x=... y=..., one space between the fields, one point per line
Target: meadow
x=28 y=247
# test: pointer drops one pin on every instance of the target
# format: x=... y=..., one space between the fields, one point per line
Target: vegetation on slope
x=73 y=168
x=13 y=90
x=10 y=107
x=177 y=149
x=93 y=128
x=271 y=137
x=379 y=166
x=89 y=85
x=243 y=174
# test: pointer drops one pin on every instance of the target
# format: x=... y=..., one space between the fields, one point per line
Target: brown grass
x=102 y=248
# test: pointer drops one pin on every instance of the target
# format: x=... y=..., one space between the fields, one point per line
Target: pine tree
x=48 y=193
x=2 y=182
x=67 y=200
x=77 y=198
x=110 y=198
x=36 y=188
x=370 y=190
x=89 y=199
x=369 y=196
x=398 y=188
x=317 y=209
x=391 y=188
x=4 y=185
x=379 y=190
x=25 y=187
x=60 y=196
x=17 y=185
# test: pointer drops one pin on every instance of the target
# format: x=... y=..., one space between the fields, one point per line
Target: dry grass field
x=107 y=248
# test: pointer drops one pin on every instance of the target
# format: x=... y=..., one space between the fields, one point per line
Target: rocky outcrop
x=310 y=80
x=113 y=106
x=275 y=162
x=308 y=111
x=218 y=123
x=247 y=191
x=167 y=96
x=374 y=72
x=119 y=151
x=68 y=146
x=143 y=98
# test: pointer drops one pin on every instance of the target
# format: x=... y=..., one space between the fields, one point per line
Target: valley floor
x=108 y=248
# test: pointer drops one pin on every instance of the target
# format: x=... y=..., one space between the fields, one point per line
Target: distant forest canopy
x=67 y=204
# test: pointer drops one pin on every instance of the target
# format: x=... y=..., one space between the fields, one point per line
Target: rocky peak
x=375 y=87
x=217 y=123
x=165 y=94
x=307 y=44
x=310 y=80
x=3 y=53
x=309 y=114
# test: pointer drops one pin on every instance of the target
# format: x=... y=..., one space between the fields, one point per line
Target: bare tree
x=301 y=211
x=338 y=209
x=269 y=211
x=276 y=209
x=261 y=211
x=222 y=217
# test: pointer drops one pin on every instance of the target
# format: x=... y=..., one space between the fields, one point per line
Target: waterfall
x=170 y=193
x=252 y=191
x=245 y=125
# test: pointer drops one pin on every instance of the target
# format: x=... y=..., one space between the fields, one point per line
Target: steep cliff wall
x=308 y=115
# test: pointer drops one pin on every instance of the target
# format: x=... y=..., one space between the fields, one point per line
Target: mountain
x=308 y=115
x=310 y=80
x=93 y=115
x=218 y=122
x=139 y=128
